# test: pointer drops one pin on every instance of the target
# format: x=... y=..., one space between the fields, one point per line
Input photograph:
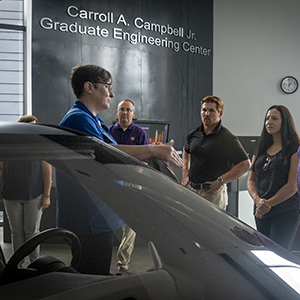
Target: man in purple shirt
x=125 y=132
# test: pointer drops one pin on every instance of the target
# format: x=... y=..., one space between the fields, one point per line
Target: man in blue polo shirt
x=92 y=86
x=125 y=132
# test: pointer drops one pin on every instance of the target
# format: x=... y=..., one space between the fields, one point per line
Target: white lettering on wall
x=133 y=38
x=121 y=19
x=162 y=29
x=47 y=23
x=187 y=47
x=74 y=12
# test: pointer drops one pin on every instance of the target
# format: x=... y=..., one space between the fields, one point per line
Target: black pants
x=96 y=253
x=281 y=228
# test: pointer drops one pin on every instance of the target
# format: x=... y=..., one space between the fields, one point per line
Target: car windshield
x=177 y=231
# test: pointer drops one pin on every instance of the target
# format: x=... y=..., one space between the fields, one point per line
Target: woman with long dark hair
x=272 y=181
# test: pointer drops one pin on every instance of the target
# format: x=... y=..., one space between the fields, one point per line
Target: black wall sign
x=159 y=53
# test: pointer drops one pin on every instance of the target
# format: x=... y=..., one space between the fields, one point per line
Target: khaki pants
x=126 y=247
x=24 y=218
x=220 y=198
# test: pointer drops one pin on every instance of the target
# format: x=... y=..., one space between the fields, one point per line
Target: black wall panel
x=166 y=83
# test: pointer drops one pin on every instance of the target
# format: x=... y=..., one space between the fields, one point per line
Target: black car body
x=198 y=250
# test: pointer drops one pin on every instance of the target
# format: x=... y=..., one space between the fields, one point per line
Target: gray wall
x=256 y=44
x=165 y=84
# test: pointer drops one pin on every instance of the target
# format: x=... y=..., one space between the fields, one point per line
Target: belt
x=199 y=186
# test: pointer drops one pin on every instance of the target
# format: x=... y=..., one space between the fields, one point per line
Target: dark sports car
x=198 y=250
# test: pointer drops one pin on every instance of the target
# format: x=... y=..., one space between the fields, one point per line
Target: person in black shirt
x=272 y=181
x=212 y=155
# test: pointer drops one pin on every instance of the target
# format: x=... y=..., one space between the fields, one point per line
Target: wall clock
x=289 y=84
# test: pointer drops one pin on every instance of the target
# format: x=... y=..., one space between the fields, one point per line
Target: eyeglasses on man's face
x=123 y=109
x=107 y=85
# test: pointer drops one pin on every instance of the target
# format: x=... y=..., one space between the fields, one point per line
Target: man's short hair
x=126 y=100
x=83 y=73
x=213 y=99
x=28 y=119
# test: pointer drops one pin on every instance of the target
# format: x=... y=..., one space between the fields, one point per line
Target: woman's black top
x=272 y=176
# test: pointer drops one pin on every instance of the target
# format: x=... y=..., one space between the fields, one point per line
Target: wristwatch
x=220 y=179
